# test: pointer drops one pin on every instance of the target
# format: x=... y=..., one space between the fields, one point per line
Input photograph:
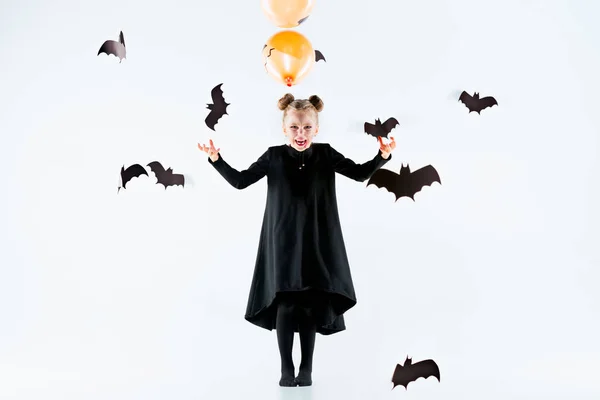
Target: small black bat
x=405 y=184
x=403 y=375
x=115 y=48
x=303 y=19
x=217 y=109
x=381 y=130
x=132 y=171
x=319 y=56
x=474 y=103
x=166 y=177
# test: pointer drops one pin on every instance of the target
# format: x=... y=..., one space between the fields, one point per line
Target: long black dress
x=301 y=246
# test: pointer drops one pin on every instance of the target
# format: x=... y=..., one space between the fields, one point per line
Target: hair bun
x=316 y=102
x=285 y=101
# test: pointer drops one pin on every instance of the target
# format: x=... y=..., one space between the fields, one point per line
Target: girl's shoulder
x=322 y=147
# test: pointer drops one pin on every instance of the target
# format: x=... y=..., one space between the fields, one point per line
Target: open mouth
x=300 y=143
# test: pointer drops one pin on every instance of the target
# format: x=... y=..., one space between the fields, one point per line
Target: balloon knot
x=288 y=81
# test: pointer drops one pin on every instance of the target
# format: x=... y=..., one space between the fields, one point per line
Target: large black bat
x=409 y=372
x=405 y=184
x=381 y=130
x=166 y=177
x=115 y=48
x=474 y=103
x=319 y=56
x=217 y=109
x=131 y=172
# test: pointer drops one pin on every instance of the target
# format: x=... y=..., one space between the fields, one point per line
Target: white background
x=141 y=294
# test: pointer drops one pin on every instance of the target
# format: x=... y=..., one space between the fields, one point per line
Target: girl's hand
x=386 y=149
x=210 y=150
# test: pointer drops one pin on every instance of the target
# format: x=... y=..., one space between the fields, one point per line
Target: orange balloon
x=287 y=13
x=288 y=57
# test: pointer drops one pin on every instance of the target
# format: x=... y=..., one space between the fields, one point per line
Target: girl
x=302 y=280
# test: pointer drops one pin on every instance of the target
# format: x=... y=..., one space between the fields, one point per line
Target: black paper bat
x=403 y=375
x=319 y=56
x=303 y=19
x=115 y=48
x=217 y=109
x=405 y=184
x=132 y=171
x=474 y=103
x=166 y=177
x=381 y=130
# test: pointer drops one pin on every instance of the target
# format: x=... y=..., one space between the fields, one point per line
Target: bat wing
x=393 y=182
x=487 y=102
x=401 y=377
x=114 y=48
x=370 y=129
x=177 y=179
x=374 y=130
x=212 y=119
x=390 y=124
x=422 y=177
x=218 y=100
x=131 y=172
x=319 y=56
x=158 y=170
x=108 y=47
x=424 y=369
x=467 y=100
x=171 y=179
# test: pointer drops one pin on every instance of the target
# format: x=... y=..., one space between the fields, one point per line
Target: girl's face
x=300 y=127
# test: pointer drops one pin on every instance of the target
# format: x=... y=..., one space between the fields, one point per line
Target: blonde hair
x=288 y=102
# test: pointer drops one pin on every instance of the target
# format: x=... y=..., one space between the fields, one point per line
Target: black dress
x=301 y=249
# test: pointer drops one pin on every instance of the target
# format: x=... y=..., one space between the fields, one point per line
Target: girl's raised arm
x=238 y=179
x=352 y=170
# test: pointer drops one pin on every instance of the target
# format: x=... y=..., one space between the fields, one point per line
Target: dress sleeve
x=352 y=170
x=245 y=178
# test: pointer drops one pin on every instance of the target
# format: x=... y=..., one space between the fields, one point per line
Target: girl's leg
x=285 y=339
x=308 y=333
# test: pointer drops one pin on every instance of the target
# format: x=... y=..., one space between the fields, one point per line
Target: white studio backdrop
x=141 y=294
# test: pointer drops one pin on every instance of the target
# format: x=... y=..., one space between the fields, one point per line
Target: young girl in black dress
x=302 y=281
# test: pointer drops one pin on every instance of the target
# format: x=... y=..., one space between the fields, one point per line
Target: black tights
x=289 y=314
